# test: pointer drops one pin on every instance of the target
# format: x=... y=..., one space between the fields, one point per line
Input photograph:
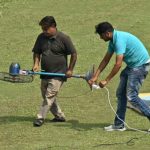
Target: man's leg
x=49 y=96
x=122 y=99
x=122 y=102
x=43 y=109
x=135 y=79
x=56 y=111
x=49 y=90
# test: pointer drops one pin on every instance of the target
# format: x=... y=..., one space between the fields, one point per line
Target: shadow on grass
x=11 y=119
x=75 y=124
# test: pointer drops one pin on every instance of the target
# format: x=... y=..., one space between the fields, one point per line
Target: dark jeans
x=131 y=80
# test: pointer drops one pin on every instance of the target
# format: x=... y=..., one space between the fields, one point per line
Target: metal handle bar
x=54 y=74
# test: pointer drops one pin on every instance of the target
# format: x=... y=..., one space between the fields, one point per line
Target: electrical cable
x=108 y=94
x=129 y=142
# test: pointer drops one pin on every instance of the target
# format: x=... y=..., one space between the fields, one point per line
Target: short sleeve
x=120 y=47
x=37 y=48
x=70 y=49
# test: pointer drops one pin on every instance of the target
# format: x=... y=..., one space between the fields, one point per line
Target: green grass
x=87 y=112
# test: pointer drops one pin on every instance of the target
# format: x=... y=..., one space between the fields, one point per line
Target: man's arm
x=36 y=61
x=101 y=67
x=36 y=53
x=73 y=59
x=116 y=68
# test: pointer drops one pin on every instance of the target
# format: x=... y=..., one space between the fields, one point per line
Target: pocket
x=46 y=53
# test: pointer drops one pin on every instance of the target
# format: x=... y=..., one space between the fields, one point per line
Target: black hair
x=103 y=27
x=48 y=21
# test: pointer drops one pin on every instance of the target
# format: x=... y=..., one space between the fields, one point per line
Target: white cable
x=94 y=86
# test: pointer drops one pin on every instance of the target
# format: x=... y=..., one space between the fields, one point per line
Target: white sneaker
x=114 y=128
x=148 y=130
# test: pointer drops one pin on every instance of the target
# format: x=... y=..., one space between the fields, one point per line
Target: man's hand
x=35 y=68
x=92 y=80
x=36 y=58
x=69 y=73
x=103 y=83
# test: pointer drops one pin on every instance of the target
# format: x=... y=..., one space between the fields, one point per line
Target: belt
x=147 y=64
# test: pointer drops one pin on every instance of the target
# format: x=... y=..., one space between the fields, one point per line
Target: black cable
x=130 y=142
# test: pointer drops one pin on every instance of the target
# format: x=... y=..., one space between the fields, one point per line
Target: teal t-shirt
x=135 y=53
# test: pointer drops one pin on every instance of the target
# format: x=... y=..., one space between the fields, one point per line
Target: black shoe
x=61 y=119
x=38 y=122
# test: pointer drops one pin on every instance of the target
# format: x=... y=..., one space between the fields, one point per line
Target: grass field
x=87 y=112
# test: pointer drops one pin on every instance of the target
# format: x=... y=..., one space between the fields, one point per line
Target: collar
x=54 y=36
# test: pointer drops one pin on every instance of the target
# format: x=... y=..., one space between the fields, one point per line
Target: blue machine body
x=14 y=69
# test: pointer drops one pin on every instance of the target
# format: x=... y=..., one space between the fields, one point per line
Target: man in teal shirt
x=131 y=50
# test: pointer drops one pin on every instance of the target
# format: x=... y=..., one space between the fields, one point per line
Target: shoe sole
x=109 y=130
x=38 y=123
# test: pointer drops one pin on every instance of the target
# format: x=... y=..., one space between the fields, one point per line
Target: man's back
x=135 y=53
